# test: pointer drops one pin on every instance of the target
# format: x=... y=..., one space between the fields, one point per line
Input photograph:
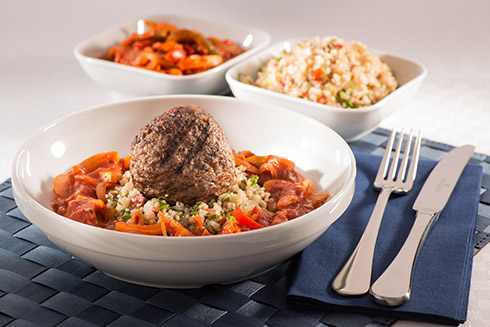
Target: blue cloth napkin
x=441 y=280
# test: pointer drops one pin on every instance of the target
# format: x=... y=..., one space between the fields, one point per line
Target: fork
x=355 y=276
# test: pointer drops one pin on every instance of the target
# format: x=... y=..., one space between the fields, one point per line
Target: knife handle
x=392 y=288
x=355 y=276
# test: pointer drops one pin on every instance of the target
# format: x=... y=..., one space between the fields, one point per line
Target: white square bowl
x=351 y=124
x=133 y=81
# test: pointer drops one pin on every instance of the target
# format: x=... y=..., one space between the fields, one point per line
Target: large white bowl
x=351 y=124
x=133 y=81
x=320 y=153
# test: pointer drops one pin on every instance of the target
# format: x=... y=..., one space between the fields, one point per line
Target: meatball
x=182 y=154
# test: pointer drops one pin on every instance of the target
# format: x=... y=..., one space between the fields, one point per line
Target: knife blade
x=392 y=288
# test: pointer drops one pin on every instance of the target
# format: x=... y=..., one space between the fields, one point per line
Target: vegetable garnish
x=267 y=191
x=167 y=49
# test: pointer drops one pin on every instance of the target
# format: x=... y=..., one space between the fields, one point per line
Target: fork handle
x=355 y=276
x=392 y=288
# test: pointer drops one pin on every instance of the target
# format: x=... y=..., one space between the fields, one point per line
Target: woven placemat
x=40 y=285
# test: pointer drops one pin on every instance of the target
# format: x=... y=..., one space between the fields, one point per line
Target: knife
x=392 y=288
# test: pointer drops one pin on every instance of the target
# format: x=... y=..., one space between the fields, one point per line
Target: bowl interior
x=319 y=153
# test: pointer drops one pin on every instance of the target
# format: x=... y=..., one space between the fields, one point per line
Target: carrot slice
x=176 y=228
x=198 y=221
x=206 y=233
x=230 y=227
x=153 y=229
x=179 y=230
x=164 y=228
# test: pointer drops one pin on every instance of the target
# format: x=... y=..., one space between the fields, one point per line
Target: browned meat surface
x=184 y=154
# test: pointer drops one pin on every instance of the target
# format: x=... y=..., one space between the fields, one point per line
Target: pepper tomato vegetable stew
x=167 y=185
x=167 y=49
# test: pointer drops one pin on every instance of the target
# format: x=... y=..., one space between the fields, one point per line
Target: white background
x=40 y=80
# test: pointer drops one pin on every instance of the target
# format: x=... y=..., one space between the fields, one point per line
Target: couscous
x=330 y=71
x=267 y=190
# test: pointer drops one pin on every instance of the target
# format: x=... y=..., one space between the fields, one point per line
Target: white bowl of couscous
x=319 y=153
x=342 y=84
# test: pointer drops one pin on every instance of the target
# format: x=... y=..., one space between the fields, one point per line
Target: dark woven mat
x=40 y=285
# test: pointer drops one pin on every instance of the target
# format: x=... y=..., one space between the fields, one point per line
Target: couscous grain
x=330 y=71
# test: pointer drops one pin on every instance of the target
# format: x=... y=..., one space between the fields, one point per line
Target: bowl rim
x=78 y=53
x=19 y=188
x=231 y=79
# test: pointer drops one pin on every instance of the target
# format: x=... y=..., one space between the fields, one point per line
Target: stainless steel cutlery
x=392 y=288
x=355 y=276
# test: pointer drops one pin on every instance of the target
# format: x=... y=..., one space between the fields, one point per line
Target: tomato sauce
x=292 y=195
x=81 y=191
x=81 y=196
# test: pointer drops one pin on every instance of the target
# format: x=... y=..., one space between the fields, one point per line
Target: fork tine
x=412 y=170
x=406 y=154
x=386 y=157
x=394 y=163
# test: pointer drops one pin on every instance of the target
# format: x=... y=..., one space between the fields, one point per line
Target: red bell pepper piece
x=244 y=220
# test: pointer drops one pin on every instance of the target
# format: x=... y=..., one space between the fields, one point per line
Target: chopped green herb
x=162 y=205
x=126 y=215
x=349 y=104
x=244 y=182
x=232 y=218
x=350 y=85
x=195 y=210
x=254 y=179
